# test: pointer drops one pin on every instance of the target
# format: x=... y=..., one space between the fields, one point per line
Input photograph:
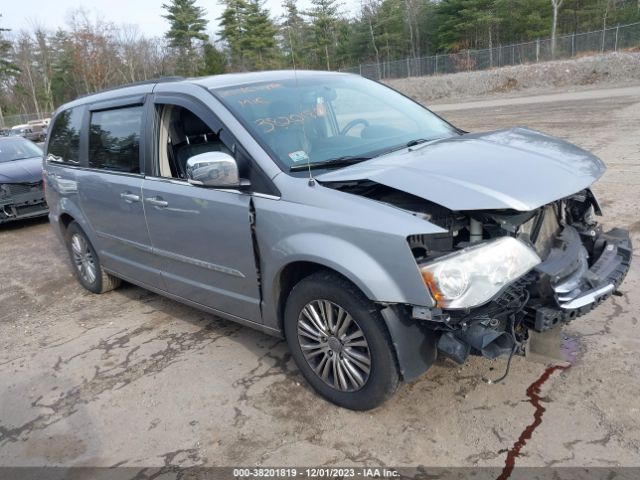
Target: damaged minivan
x=335 y=212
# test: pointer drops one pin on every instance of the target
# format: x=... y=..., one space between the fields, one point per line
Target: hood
x=518 y=169
x=28 y=170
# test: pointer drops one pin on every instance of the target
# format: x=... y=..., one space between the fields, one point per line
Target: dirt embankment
x=610 y=69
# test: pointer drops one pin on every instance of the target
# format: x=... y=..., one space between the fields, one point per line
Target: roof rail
x=135 y=84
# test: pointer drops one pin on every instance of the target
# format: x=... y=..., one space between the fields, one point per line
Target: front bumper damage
x=21 y=200
x=563 y=287
x=576 y=288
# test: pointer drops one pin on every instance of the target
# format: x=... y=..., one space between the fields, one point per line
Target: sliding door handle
x=157 y=202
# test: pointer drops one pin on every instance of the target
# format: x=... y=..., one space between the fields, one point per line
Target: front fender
x=345 y=258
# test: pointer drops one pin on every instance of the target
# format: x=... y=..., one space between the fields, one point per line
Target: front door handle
x=157 y=202
x=130 y=197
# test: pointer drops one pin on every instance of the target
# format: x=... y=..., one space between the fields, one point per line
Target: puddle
x=569 y=349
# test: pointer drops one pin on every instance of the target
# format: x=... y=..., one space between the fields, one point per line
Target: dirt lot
x=131 y=378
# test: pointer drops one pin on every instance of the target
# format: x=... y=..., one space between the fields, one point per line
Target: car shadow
x=251 y=339
x=23 y=223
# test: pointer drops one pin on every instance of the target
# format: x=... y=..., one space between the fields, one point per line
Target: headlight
x=472 y=276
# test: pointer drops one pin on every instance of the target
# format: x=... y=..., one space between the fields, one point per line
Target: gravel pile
x=611 y=68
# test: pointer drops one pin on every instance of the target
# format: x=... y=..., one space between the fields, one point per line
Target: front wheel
x=85 y=262
x=340 y=343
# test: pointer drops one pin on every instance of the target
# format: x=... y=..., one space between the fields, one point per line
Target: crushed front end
x=578 y=266
x=21 y=200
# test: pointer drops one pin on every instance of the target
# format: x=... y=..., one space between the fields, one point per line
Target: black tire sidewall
x=383 y=378
x=96 y=286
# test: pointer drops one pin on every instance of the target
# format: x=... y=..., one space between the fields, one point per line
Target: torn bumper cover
x=575 y=287
x=21 y=200
x=566 y=285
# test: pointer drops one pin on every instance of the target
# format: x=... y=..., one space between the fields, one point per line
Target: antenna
x=312 y=181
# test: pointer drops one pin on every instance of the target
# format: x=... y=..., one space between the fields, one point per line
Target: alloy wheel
x=334 y=346
x=83 y=258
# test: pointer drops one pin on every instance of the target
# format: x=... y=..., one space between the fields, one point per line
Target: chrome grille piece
x=546 y=233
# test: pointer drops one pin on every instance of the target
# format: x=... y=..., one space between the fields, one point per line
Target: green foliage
x=249 y=34
x=323 y=17
x=40 y=70
x=214 y=60
x=7 y=67
x=295 y=35
x=187 y=23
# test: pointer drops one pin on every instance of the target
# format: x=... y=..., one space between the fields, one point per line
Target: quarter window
x=64 y=142
x=114 y=139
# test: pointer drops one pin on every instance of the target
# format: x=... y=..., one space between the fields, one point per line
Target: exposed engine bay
x=579 y=266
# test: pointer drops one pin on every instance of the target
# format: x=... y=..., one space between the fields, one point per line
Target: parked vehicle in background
x=34 y=133
x=21 y=194
x=333 y=211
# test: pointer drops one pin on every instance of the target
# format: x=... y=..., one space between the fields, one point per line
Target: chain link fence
x=8 y=121
x=611 y=39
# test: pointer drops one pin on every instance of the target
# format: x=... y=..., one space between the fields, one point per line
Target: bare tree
x=27 y=81
x=43 y=54
x=368 y=9
x=556 y=4
x=95 y=51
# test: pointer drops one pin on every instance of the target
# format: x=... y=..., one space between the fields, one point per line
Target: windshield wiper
x=410 y=143
x=334 y=162
x=417 y=141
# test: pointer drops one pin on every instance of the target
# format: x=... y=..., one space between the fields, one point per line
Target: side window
x=114 y=139
x=64 y=143
x=182 y=135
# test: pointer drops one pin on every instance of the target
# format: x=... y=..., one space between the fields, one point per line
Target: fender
x=66 y=205
x=354 y=263
x=345 y=258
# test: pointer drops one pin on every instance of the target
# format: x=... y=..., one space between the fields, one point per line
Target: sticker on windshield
x=299 y=156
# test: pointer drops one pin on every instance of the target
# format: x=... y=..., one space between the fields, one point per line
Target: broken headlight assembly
x=472 y=276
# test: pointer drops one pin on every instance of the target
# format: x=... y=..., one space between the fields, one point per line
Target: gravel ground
x=599 y=71
x=131 y=378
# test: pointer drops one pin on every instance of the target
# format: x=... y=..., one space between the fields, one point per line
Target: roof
x=233 y=79
x=213 y=81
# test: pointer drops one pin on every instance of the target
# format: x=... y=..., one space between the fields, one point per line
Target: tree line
x=41 y=69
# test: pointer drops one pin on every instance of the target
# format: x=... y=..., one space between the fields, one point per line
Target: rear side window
x=64 y=141
x=114 y=139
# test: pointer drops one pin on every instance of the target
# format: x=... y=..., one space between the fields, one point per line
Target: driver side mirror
x=214 y=169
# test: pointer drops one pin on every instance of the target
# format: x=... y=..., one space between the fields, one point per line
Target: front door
x=201 y=235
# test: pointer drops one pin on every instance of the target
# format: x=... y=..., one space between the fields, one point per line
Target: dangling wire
x=516 y=343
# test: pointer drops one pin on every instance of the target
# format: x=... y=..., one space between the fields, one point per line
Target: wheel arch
x=414 y=347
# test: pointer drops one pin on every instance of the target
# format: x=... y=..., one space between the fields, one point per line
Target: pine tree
x=187 y=23
x=323 y=16
x=259 y=41
x=294 y=32
x=232 y=23
x=250 y=35
x=214 y=60
x=7 y=68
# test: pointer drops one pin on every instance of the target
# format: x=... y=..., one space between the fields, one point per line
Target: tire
x=340 y=349
x=85 y=262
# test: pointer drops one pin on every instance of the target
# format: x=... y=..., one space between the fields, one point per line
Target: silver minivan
x=333 y=211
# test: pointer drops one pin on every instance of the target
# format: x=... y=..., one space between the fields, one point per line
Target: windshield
x=327 y=118
x=18 y=148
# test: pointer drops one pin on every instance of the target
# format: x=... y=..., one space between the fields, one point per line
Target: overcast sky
x=146 y=14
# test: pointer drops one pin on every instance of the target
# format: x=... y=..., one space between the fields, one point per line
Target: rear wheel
x=85 y=262
x=340 y=343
